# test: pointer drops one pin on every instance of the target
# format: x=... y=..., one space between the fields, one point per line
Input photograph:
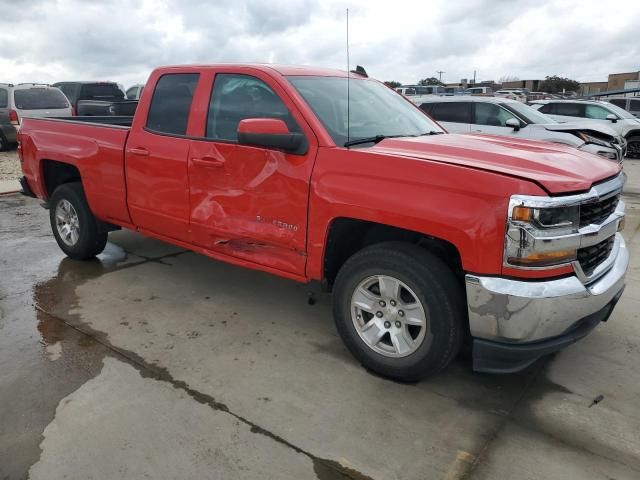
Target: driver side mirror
x=513 y=123
x=612 y=118
x=271 y=133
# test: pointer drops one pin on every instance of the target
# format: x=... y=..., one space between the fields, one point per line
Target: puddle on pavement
x=43 y=359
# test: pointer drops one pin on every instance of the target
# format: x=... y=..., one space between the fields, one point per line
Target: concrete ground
x=154 y=362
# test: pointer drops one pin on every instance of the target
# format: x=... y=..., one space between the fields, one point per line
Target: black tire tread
x=92 y=238
x=419 y=263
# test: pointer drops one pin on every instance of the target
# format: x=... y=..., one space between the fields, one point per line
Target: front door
x=156 y=159
x=250 y=202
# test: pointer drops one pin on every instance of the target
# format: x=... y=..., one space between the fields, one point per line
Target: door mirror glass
x=612 y=118
x=513 y=123
x=270 y=133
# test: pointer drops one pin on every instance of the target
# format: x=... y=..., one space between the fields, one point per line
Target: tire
x=633 y=146
x=4 y=144
x=422 y=277
x=76 y=230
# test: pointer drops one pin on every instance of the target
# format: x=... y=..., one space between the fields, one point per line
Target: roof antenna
x=348 y=80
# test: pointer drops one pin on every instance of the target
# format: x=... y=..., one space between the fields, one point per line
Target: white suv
x=505 y=117
x=595 y=112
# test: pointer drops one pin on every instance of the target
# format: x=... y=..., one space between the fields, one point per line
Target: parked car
x=630 y=104
x=479 y=91
x=502 y=116
x=423 y=237
x=515 y=94
x=28 y=100
x=135 y=91
x=7 y=124
x=597 y=112
x=97 y=98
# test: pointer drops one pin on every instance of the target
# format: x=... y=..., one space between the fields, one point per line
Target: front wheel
x=633 y=147
x=76 y=230
x=400 y=310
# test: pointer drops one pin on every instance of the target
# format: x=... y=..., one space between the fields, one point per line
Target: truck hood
x=557 y=168
x=575 y=126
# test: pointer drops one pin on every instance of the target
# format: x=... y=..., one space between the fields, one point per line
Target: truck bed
x=92 y=145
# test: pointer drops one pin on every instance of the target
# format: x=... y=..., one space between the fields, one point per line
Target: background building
x=617 y=80
x=532 y=85
x=593 y=87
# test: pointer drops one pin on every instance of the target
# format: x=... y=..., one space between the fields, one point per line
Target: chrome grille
x=591 y=257
x=598 y=212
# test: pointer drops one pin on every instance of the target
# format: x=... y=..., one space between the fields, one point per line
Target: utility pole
x=440 y=72
x=474 y=77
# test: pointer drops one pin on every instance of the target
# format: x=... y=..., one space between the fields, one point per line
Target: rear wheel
x=76 y=230
x=4 y=144
x=399 y=310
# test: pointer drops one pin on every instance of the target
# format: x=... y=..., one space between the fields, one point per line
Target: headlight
x=591 y=139
x=534 y=235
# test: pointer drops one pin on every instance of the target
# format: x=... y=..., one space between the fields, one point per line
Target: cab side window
x=569 y=109
x=492 y=115
x=596 y=111
x=456 y=112
x=548 y=108
x=171 y=102
x=4 y=98
x=237 y=97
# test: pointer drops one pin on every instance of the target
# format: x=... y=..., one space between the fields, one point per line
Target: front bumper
x=537 y=317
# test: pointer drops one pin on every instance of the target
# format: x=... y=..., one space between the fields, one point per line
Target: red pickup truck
x=425 y=238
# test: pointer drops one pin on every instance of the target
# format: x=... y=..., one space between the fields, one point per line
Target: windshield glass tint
x=374 y=108
x=528 y=114
x=39 y=99
x=622 y=113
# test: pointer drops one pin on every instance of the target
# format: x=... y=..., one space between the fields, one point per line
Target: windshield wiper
x=379 y=138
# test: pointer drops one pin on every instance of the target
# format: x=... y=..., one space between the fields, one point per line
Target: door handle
x=208 y=162
x=143 y=152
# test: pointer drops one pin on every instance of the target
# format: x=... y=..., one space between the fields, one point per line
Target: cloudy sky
x=122 y=40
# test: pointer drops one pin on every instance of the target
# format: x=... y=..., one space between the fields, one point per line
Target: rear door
x=156 y=157
x=250 y=202
x=455 y=117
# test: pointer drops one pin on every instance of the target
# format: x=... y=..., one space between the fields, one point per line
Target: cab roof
x=285 y=70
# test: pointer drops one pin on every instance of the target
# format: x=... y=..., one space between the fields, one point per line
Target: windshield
x=39 y=99
x=621 y=112
x=527 y=113
x=373 y=108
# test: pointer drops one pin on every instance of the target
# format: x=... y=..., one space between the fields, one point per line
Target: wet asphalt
x=155 y=362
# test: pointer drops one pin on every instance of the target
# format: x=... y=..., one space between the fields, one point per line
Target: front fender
x=464 y=206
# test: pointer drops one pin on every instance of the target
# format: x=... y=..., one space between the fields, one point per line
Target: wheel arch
x=55 y=173
x=346 y=236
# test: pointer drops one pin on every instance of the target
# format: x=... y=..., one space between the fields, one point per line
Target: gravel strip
x=9 y=165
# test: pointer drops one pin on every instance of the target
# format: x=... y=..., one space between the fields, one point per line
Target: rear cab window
x=98 y=91
x=39 y=99
x=171 y=103
x=4 y=98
